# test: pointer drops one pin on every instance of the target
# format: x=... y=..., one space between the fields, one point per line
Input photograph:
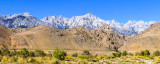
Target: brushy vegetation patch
x=59 y=56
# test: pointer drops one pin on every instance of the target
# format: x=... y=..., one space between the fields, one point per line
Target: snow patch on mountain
x=88 y=21
x=91 y=21
x=24 y=20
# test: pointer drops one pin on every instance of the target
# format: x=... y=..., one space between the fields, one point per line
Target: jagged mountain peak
x=89 y=21
x=55 y=17
x=89 y=14
x=22 y=20
x=27 y=14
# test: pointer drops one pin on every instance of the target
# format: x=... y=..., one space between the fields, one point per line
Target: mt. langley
x=88 y=21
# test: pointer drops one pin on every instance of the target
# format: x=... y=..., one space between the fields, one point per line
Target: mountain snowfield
x=88 y=21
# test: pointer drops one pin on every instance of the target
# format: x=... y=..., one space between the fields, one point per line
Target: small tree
x=24 y=52
x=156 y=53
x=146 y=53
x=31 y=54
x=86 y=52
x=59 y=54
x=124 y=53
x=40 y=53
x=5 y=50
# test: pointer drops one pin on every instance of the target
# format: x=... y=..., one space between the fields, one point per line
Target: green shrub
x=14 y=59
x=156 y=53
x=146 y=53
x=31 y=54
x=75 y=55
x=5 y=50
x=124 y=53
x=117 y=54
x=40 y=53
x=86 y=52
x=59 y=54
x=141 y=53
x=24 y=52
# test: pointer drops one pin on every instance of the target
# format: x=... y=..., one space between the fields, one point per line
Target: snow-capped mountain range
x=88 y=21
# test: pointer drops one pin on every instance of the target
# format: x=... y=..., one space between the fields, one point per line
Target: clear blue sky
x=119 y=10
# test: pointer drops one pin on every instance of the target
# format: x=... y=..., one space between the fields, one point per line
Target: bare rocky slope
x=79 y=39
x=4 y=35
x=148 y=39
x=47 y=38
